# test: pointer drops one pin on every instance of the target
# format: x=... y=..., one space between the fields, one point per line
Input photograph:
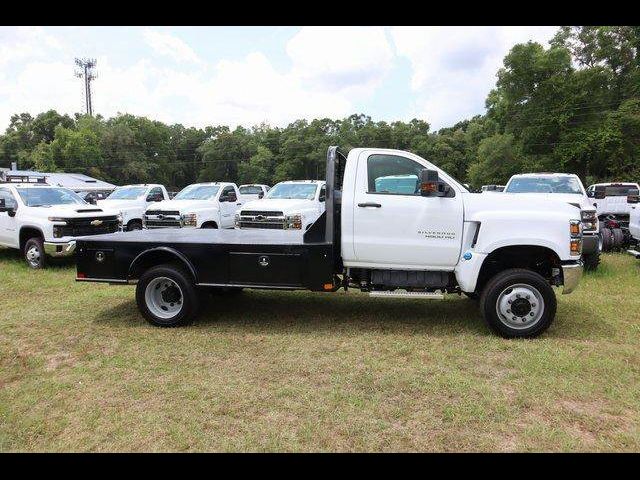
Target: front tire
x=518 y=303
x=166 y=296
x=34 y=253
x=591 y=261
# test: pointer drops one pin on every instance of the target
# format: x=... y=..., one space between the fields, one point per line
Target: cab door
x=229 y=203
x=8 y=234
x=394 y=225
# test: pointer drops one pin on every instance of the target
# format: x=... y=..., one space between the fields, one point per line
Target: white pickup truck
x=566 y=188
x=438 y=239
x=42 y=220
x=132 y=201
x=200 y=205
x=292 y=205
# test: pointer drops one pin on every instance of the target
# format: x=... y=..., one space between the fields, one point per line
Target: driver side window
x=226 y=191
x=392 y=174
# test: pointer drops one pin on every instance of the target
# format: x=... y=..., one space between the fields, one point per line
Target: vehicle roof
x=212 y=183
x=141 y=185
x=303 y=181
x=545 y=174
x=253 y=185
x=30 y=184
x=613 y=184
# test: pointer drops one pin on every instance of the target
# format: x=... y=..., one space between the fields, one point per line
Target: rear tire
x=618 y=238
x=607 y=239
x=166 y=296
x=516 y=294
x=34 y=253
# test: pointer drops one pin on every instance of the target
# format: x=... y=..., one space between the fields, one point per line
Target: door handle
x=238 y=204
x=369 y=204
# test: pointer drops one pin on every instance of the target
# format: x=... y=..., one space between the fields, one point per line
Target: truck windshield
x=544 y=185
x=250 y=189
x=45 y=196
x=127 y=193
x=198 y=192
x=297 y=191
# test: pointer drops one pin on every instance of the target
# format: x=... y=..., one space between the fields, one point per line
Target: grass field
x=80 y=370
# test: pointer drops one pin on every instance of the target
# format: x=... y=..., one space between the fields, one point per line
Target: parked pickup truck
x=610 y=201
x=566 y=188
x=293 y=205
x=633 y=200
x=201 y=205
x=253 y=191
x=507 y=250
x=132 y=201
x=42 y=220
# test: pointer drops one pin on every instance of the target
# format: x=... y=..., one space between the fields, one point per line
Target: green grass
x=80 y=370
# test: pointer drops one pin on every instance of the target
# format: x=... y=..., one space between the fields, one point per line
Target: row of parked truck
x=386 y=222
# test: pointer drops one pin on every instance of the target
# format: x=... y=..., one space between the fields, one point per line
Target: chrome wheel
x=33 y=256
x=520 y=306
x=163 y=297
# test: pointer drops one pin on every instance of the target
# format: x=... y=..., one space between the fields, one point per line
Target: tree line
x=571 y=107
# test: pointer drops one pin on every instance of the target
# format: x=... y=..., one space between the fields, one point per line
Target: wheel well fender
x=531 y=257
x=29 y=232
x=157 y=256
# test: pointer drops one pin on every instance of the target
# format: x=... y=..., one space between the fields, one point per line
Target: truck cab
x=200 y=205
x=292 y=205
x=132 y=201
x=566 y=188
x=424 y=237
x=44 y=221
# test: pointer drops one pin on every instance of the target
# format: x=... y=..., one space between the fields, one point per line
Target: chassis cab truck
x=435 y=239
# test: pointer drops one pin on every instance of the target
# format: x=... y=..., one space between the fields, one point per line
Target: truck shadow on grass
x=303 y=312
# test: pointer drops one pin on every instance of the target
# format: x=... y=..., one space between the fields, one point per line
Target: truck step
x=403 y=294
x=635 y=253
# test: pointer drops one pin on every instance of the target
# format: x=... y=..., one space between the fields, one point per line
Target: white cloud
x=351 y=60
x=454 y=68
x=165 y=44
x=23 y=43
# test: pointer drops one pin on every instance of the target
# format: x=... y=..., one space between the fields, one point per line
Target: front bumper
x=65 y=249
x=571 y=275
x=590 y=243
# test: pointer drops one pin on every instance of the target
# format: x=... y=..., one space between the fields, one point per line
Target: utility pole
x=86 y=72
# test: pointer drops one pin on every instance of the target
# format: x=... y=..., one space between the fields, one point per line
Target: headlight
x=119 y=217
x=575 y=242
x=190 y=219
x=293 y=222
x=237 y=220
x=58 y=219
x=57 y=231
x=589 y=220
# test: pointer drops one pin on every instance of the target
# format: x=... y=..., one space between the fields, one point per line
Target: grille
x=261 y=219
x=162 y=212
x=261 y=212
x=162 y=219
x=78 y=227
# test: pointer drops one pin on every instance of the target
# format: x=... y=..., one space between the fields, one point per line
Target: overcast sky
x=201 y=76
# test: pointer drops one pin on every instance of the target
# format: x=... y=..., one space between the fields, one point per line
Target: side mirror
x=591 y=194
x=154 y=198
x=3 y=208
x=261 y=195
x=633 y=196
x=599 y=192
x=430 y=185
x=231 y=197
